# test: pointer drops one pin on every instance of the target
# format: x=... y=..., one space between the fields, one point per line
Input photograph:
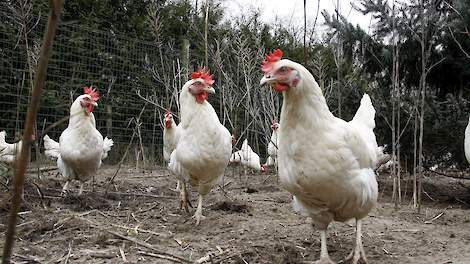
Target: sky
x=291 y=11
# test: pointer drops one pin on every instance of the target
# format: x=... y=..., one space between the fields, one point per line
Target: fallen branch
x=149 y=246
x=139 y=242
x=43 y=169
x=434 y=218
x=448 y=175
x=158 y=256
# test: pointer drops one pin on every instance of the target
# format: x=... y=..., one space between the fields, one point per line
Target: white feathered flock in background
x=247 y=158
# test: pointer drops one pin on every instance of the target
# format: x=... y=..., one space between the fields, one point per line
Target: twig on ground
x=138 y=242
x=121 y=251
x=159 y=256
x=447 y=175
x=68 y=254
x=149 y=246
x=434 y=218
x=43 y=169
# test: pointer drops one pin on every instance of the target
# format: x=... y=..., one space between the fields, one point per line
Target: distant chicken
x=9 y=152
x=81 y=146
x=171 y=135
x=273 y=146
x=467 y=141
x=248 y=158
x=325 y=162
x=204 y=147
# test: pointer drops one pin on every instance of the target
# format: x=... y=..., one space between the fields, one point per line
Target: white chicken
x=204 y=147
x=325 y=162
x=9 y=152
x=273 y=143
x=467 y=141
x=171 y=135
x=247 y=158
x=81 y=147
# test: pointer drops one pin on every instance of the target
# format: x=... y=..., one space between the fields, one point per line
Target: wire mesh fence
x=81 y=57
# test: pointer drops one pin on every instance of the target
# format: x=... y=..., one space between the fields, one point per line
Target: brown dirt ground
x=243 y=225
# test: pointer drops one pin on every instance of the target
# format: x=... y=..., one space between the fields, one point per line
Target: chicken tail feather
x=366 y=113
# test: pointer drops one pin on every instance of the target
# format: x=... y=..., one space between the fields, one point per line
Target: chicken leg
x=184 y=199
x=324 y=257
x=178 y=186
x=357 y=254
x=65 y=189
x=80 y=191
x=198 y=215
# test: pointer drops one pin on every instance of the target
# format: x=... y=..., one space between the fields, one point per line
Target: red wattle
x=201 y=97
x=280 y=87
x=89 y=108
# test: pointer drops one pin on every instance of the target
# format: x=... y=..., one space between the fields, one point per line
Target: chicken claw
x=357 y=255
x=325 y=260
x=198 y=215
x=178 y=186
x=65 y=190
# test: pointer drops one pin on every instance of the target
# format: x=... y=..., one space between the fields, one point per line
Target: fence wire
x=81 y=57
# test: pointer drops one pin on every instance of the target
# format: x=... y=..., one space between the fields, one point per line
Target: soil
x=139 y=221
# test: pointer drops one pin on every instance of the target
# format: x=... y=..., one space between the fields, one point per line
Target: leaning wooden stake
x=18 y=180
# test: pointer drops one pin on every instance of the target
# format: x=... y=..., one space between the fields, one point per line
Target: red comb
x=272 y=57
x=204 y=74
x=93 y=93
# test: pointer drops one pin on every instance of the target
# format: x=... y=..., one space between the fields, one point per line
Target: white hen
x=467 y=141
x=81 y=147
x=9 y=152
x=203 y=150
x=325 y=162
x=248 y=158
x=273 y=145
x=171 y=134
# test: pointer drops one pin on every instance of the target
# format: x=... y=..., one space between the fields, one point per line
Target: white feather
x=467 y=141
x=204 y=147
x=81 y=145
x=170 y=139
x=51 y=148
x=8 y=152
x=325 y=162
x=107 y=144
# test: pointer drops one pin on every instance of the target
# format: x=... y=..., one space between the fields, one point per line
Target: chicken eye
x=283 y=69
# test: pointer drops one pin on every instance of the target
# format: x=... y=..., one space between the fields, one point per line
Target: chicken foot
x=178 y=186
x=80 y=191
x=357 y=254
x=198 y=215
x=65 y=189
x=324 y=257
